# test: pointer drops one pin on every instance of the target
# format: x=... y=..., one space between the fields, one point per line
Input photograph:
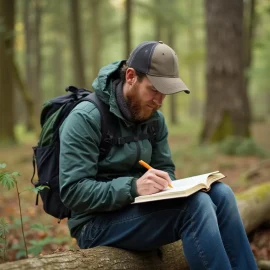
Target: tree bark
x=33 y=60
x=76 y=42
x=7 y=115
x=96 y=38
x=158 y=20
x=254 y=205
x=37 y=56
x=27 y=98
x=28 y=33
x=249 y=27
x=194 y=104
x=127 y=25
x=227 y=108
x=171 y=43
x=28 y=57
x=58 y=59
x=172 y=98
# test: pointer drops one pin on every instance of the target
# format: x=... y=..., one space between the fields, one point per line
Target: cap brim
x=168 y=86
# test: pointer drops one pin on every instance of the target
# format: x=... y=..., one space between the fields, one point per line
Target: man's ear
x=130 y=76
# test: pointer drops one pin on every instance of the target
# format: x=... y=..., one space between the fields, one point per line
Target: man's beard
x=139 y=109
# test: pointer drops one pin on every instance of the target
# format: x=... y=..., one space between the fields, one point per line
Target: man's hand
x=152 y=181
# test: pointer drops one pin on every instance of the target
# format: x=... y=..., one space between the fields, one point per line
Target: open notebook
x=184 y=187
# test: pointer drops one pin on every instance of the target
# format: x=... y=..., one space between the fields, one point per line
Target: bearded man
x=100 y=193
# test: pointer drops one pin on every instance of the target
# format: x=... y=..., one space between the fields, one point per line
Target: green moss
x=224 y=129
x=260 y=192
x=227 y=128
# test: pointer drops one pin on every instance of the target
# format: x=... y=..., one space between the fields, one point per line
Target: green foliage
x=35 y=189
x=23 y=135
x=35 y=247
x=16 y=222
x=259 y=71
x=198 y=156
x=241 y=147
x=4 y=229
x=229 y=145
x=41 y=227
x=7 y=179
x=3 y=165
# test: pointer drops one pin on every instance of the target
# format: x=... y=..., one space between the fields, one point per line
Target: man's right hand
x=152 y=181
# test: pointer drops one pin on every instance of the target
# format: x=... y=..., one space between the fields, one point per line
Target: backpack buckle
x=120 y=141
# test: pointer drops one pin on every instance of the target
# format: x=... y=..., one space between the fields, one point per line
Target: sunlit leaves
x=3 y=165
x=36 y=189
x=7 y=179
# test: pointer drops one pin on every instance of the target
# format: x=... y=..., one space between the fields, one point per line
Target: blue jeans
x=208 y=224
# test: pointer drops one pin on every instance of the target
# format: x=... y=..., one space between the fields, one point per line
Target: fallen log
x=254 y=207
x=264 y=265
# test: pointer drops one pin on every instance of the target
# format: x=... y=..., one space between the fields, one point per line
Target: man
x=100 y=193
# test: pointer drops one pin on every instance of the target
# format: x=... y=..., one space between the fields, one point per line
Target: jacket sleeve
x=161 y=154
x=80 y=191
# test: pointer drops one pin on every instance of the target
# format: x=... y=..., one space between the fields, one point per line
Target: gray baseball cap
x=160 y=64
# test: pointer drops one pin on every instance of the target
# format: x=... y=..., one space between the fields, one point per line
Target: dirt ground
x=19 y=158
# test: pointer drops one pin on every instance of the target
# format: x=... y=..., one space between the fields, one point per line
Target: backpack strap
x=152 y=132
x=108 y=125
x=109 y=129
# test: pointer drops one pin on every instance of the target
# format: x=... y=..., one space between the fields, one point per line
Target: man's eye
x=154 y=90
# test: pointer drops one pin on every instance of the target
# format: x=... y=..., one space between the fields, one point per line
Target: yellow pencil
x=148 y=167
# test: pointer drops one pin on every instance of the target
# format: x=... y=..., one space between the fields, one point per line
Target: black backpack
x=46 y=153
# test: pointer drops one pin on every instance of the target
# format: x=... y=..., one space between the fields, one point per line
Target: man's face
x=143 y=99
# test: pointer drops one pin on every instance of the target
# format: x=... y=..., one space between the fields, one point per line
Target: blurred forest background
x=224 y=57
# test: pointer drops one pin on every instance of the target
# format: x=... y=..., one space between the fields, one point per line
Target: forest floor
x=43 y=233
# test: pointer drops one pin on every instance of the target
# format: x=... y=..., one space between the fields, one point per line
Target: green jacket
x=88 y=186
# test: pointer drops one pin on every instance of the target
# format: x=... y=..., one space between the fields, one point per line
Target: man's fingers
x=155 y=184
x=161 y=174
x=159 y=180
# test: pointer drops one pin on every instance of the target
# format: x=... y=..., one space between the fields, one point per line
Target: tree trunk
x=27 y=98
x=194 y=105
x=37 y=56
x=58 y=69
x=226 y=112
x=58 y=61
x=28 y=34
x=7 y=117
x=127 y=25
x=76 y=43
x=33 y=45
x=96 y=38
x=172 y=98
x=157 y=21
x=249 y=27
x=254 y=205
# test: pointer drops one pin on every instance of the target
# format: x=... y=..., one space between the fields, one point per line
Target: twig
x=26 y=252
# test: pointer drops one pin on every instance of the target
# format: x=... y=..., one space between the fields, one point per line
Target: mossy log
x=254 y=207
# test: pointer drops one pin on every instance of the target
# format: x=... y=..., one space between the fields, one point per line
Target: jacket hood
x=103 y=86
x=103 y=83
